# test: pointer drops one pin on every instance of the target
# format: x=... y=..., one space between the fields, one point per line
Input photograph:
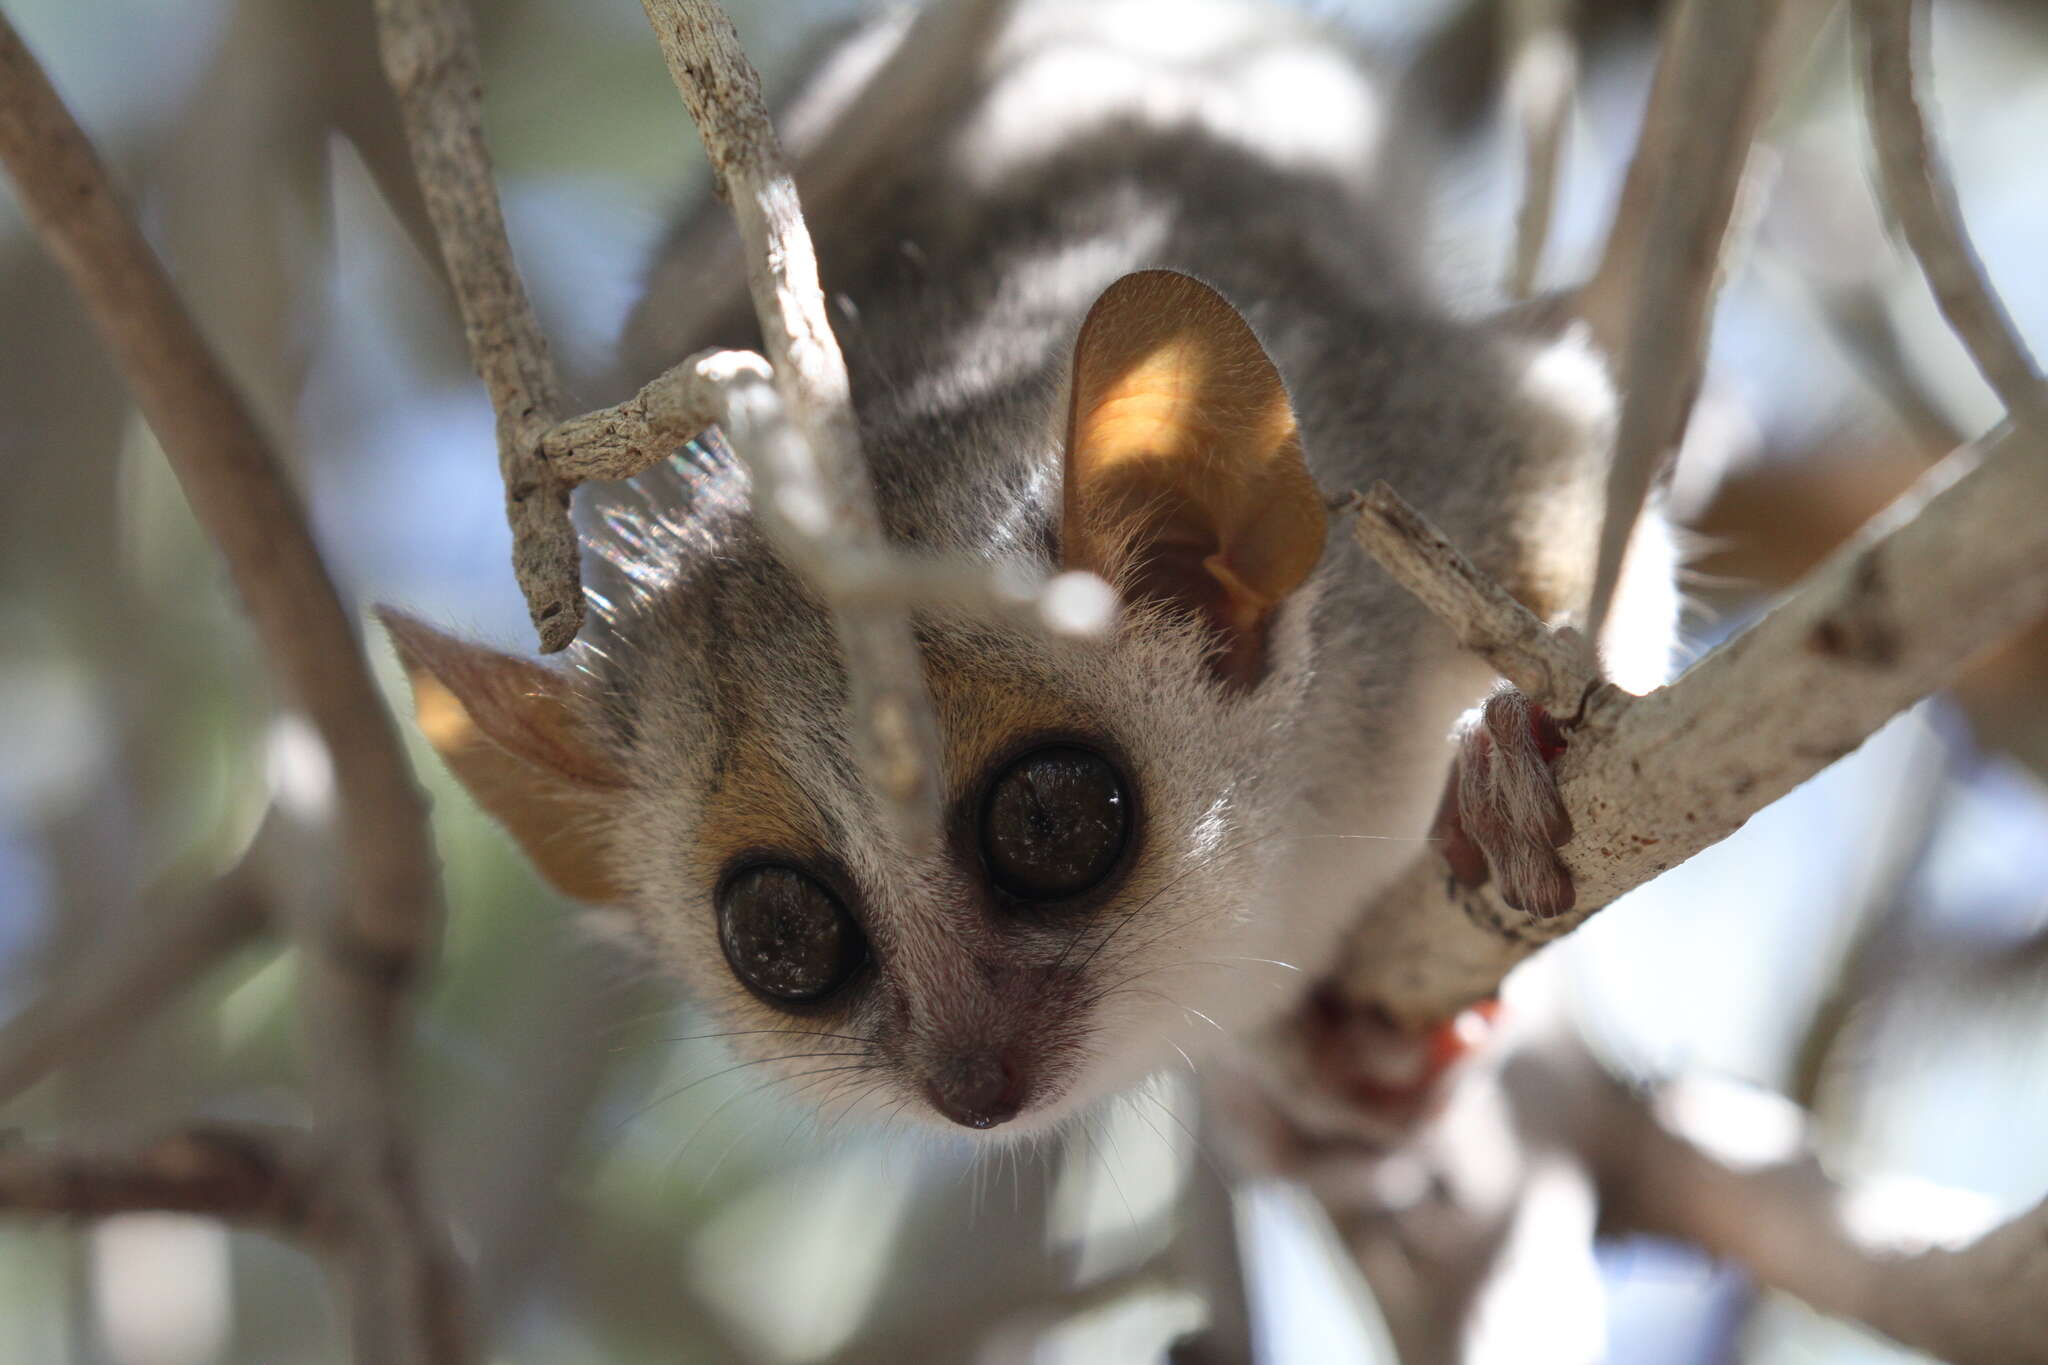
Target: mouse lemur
x=1135 y=304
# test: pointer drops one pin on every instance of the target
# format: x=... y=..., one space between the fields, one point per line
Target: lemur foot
x=1364 y=1056
x=1501 y=814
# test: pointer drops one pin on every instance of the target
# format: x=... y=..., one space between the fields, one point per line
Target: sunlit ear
x=510 y=731
x=1184 y=474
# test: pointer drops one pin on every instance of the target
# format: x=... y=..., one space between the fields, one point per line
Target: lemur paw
x=1362 y=1055
x=1501 y=814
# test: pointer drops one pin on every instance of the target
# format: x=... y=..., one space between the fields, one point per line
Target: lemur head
x=1111 y=805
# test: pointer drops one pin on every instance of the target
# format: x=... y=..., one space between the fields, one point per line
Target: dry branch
x=730 y=389
x=1553 y=667
x=391 y=911
x=1719 y=71
x=1977 y=1300
x=1541 y=77
x=253 y=1176
x=1960 y=561
x=239 y=493
x=1920 y=193
x=847 y=144
x=629 y=438
x=102 y=995
x=826 y=501
x=430 y=56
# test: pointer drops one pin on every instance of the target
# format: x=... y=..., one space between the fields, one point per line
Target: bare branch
x=1921 y=194
x=1649 y=303
x=391 y=915
x=730 y=389
x=246 y=1174
x=1877 y=910
x=118 y=989
x=847 y=144
x=1956 y=564
x=237 y=490
x=1859 y=320
x=430 y=56
x=1895 y=1265
x=628 y=438
x=827 y=498
x=1541 y=76
x=1553 y=667
x=407 y=1298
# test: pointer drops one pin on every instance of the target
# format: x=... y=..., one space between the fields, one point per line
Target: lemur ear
x=510 y=731
x=1184 y=477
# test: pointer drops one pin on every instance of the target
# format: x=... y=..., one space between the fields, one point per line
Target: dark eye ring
x=785 y=933
x=1055 y=822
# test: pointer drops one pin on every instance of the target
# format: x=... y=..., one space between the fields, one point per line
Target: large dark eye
x=786 y=935
x=1054 y=823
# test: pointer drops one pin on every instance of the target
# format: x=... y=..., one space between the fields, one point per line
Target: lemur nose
x=976 y=1090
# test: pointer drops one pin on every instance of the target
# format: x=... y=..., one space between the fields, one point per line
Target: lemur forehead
x=786 y=780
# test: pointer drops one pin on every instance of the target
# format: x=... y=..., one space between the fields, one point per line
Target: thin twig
x=408 y=1309
x=847 y=142
x=1860 y=322
x=430 y=56
x=1869 y=966
x=1922 y=196
x=730 y=389
x=826 y=498
x=1554 y=668
x=1541 y=76
x=1958 y=562
x=675 y=406
x=1649 y=303
x=247 y=1174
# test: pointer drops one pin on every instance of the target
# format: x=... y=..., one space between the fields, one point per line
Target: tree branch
x=1976 y=1299
x=406 y=1306
x=119 y=989
x=1541 y=75
x=430 y=57
x=1921 y=194
x=1649 y=303
x=1958 y=562
x=250 y=1175
x=826 y=498
x=729 y=389
x=1555 y=668
x=673 y=408
x=237 y=491
x=846 y=143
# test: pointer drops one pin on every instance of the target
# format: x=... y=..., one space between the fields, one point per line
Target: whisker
x=1200 y=1148
x=761 y=1061
x=738 y=1095
x=1203 y=864
x=785 y=1032
x=1157 y=995
x=1267 y=961
x=1103 y=1161
x=1146 y=1119
x=857 y=1096
x=660 y=1100
x=820 y=1077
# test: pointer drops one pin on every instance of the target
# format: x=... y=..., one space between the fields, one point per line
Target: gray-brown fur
x=1267 y=816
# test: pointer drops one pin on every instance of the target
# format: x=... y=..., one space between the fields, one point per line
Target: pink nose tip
x=976 y=1090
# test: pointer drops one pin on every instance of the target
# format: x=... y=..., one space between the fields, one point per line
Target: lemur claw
x=1501 y=815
